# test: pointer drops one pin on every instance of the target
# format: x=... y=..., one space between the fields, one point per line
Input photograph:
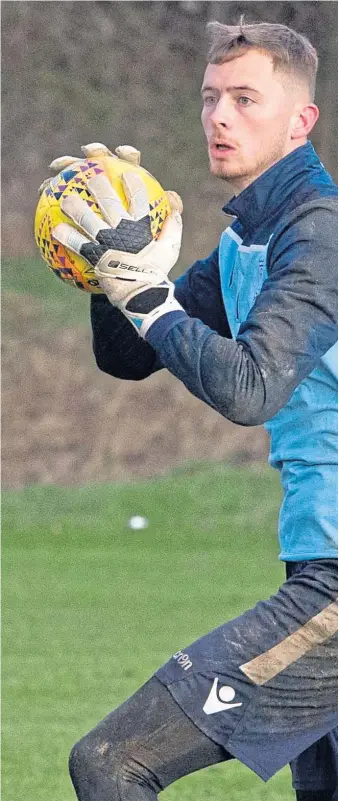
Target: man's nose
x=223 y=113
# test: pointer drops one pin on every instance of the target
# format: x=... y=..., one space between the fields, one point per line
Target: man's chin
x=221 y=170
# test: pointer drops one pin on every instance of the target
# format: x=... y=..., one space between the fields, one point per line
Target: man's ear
x=303 y=120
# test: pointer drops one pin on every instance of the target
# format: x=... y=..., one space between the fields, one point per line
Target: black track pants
x=139 y=749
x=142 y=747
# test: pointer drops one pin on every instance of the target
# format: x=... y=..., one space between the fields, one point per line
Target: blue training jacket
x=256 y=339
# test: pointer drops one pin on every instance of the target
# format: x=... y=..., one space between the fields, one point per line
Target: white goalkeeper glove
x=130 y=265
x=123 y=152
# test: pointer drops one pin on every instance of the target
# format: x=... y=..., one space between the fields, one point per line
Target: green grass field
x=91 y=608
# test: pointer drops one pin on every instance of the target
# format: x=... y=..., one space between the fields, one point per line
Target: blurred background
x=116 y=72
x=90 y=605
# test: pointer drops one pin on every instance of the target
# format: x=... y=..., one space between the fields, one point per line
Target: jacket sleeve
x=290 y=326
x=118 y=349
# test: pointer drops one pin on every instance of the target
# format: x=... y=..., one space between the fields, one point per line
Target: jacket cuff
x=161 y=327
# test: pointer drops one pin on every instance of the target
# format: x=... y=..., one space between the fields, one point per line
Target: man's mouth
x=220 y=149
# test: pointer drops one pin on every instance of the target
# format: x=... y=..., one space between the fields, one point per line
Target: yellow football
x=68 y=266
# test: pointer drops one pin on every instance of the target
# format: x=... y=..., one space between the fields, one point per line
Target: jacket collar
x=267 y=194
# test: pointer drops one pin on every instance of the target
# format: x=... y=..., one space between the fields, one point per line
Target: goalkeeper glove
x=124 y=152
x=130 y=265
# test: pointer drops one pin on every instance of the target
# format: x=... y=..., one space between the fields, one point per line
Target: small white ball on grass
x=137 y=522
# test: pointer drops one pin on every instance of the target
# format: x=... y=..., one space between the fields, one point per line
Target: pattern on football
x=69 y=267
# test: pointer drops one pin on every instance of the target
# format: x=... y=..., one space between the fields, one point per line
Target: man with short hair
x=251 y=331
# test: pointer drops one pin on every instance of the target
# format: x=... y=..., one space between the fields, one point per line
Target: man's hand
x=130 y=265
x=91 y=151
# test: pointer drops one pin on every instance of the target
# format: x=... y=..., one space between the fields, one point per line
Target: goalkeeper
x=251 y=331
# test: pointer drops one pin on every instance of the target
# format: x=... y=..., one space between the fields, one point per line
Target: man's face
x=248 y=113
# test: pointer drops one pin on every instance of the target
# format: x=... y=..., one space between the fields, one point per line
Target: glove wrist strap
x=170 y=305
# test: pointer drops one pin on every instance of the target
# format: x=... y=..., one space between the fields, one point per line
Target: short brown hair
x=291 y=52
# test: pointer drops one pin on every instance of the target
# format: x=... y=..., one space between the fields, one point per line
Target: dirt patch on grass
x=65 y=422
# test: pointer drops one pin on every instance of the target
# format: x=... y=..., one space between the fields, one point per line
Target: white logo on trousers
x=183 y=660
x=219 y=701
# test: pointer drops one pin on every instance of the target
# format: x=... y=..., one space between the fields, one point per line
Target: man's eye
x=209 y=100
x=245 y=101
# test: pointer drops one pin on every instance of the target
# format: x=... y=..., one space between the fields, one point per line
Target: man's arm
x=118 y=349
x=291 y=325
